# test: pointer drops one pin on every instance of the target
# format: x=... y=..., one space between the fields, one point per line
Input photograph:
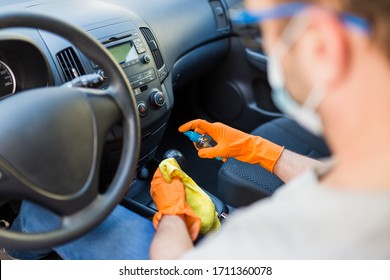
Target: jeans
x=123 y=235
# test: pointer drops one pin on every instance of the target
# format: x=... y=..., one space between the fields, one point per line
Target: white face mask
x=305 y=114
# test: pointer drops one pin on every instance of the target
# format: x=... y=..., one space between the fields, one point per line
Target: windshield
x=10 y=2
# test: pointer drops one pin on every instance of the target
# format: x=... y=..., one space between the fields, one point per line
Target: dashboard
x=160 y=45
x=22 y=66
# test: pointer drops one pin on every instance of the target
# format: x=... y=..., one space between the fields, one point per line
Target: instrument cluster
x=22 y=67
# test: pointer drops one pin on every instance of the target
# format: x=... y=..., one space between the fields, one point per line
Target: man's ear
x=325 y=47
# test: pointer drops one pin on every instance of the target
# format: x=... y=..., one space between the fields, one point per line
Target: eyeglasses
x=245 y=21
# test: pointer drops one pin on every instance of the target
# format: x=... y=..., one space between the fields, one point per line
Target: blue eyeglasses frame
x=245 y=17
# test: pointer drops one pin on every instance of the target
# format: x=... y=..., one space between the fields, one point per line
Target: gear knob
x=181 y=160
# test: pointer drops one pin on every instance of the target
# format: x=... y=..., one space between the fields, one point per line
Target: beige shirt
x=305 y=220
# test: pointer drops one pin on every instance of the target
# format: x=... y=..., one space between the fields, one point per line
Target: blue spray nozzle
x=194 y=136
x=201 y=140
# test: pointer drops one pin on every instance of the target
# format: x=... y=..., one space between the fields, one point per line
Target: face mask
x=305 y=114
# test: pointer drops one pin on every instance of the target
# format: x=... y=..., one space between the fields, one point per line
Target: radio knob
x=145 y=59
x=142 y=109
x=158 y=98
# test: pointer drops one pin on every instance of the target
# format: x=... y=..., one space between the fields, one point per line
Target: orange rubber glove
x=170 y=199
x=237 y=144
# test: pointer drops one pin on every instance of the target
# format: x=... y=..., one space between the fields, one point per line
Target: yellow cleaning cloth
x=196 y=198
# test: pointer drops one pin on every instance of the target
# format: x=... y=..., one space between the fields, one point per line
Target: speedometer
x=7 y=80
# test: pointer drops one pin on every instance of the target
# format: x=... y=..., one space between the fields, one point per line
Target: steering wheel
x=52 y=142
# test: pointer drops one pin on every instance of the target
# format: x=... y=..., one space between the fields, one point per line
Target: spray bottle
x=201 y=140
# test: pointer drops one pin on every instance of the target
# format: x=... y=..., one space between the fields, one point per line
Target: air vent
x=70 y=64
x=220 y=15
x=153 y=47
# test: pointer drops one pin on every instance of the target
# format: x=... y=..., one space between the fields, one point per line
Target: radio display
x=124 y=52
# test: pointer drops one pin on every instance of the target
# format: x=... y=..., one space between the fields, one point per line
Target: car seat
x=241 y=184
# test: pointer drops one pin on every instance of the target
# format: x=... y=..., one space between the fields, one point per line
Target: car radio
x=129 y=51
x=132 y=52
x=135 y=58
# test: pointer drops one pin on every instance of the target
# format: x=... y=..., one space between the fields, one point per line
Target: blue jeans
x=123 y=235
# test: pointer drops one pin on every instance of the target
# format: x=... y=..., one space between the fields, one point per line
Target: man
x=333 y=56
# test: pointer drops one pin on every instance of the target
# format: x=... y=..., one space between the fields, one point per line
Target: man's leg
x=33 y=219
x=123 y=235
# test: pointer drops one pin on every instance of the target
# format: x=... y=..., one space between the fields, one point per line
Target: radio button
x=145 y=59
x=158 y=98
x=142 y=109
x=140 y=50
x=137 y=77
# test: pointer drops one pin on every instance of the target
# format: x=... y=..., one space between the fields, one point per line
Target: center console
x=136 y=50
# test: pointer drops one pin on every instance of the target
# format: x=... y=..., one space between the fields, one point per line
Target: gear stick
x=181 y=160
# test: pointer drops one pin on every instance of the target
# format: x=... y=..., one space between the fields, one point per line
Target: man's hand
x=237 y=144
x=170 y=199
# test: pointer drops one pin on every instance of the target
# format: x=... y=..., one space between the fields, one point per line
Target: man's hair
x=376 y=12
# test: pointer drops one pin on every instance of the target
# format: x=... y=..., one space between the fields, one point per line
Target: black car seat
x=241 y=183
